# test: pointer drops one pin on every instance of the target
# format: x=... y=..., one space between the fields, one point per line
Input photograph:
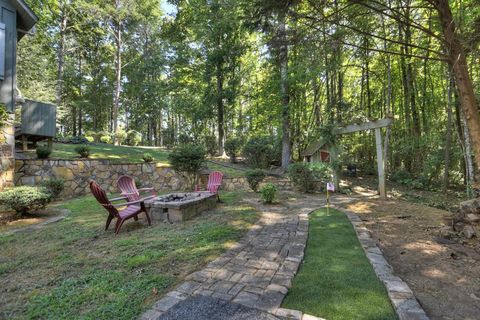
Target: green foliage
x=268 y=193
x=147 y=157
x=43 y=152
x=254 y=177
x=3 y=115
x=188 y=159
x=83 y=151
x=233 y=147
x=211 y=145
x=25 y=199
x=401 y=175
x=306 y=176
x=133 y=138
x=72 y=140
x=327 y=133
x=54 y=187
x=259 y=151
x=120 y=136
x=106 y=137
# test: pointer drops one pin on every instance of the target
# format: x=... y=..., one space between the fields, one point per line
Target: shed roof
x=26 y=18
x=313 y=147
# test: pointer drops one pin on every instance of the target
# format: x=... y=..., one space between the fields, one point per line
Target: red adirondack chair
x=128 y=189
x=214 y=183
x=132 y=208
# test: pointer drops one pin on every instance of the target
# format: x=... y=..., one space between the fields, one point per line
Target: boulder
x=469 y=232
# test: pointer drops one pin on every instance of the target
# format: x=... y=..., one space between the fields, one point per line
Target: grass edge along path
x=336 y=280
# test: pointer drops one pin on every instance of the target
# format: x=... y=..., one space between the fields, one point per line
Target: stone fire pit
x=178 y=207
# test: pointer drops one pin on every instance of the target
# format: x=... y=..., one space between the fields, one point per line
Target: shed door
x=7 y=84
x=325 y=156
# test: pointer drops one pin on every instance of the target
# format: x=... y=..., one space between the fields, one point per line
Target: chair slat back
x=102 y=198
x=214 y=181
x=128 y=188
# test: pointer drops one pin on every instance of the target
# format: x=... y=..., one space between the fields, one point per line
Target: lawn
x=111 y=152
x=336 y=280
x=124 y=154
x=75 y=269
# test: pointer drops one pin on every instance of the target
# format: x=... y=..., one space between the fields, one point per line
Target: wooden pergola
x=373 y=125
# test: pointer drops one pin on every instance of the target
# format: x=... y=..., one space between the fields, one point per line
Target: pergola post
x=380 y=164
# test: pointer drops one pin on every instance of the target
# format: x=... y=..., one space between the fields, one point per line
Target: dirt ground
x=10 y=220
x=445 y=276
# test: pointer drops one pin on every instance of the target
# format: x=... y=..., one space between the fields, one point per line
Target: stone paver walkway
x=258 y=271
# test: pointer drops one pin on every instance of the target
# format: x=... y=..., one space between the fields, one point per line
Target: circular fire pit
x=178 y=207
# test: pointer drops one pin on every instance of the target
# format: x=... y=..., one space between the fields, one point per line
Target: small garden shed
x=318 y=151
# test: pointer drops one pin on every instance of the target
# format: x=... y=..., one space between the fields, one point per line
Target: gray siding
x=38 y=119
x=8 y=16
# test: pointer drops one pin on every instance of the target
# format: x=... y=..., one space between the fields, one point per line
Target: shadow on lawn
x=75 y=269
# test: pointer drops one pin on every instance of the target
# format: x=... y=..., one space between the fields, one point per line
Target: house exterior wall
x=8 y=53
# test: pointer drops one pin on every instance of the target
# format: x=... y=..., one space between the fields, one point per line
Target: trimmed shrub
x=401 y=176
x=188 y=159
x=259 y=151
x=305 y=176
x=54 y=187
x=147 y=157
x=25 y=199
x=105 y=137
x=120 y=136
x=72 y=140
x=83 y=151
x=254 y=177
x=268 y=192
x=232 y=148
x=43 y=152
x=211 y=145
x=133 y=138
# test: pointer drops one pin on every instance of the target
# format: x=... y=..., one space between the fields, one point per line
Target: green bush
x=94 y=136
x=188 y=159
x=133 y=138
x=106 y=137
x=147 y=157
x=72 y=140
x=259 y=151
x=401 y=175
x=43 y=152
x=25 y=199
x=232 y=148
x=120 y=136
x=268 y=192
x=54 y=187
x=254 y=177
x=211 y=145
x=305 y=176
x=83 y=151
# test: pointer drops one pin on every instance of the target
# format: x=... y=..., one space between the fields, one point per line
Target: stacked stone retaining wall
x=78 y=173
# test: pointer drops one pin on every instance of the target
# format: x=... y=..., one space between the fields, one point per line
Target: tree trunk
x=284 y=92
x=448 y=135
x=61 y=54
x=466 y=92
x=220 y=110
x=118 y=76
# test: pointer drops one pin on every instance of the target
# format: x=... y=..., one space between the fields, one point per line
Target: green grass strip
x=336 y=280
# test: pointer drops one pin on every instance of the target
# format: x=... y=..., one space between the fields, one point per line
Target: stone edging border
x=405 y=304
x=61 y=216
x=185 y=290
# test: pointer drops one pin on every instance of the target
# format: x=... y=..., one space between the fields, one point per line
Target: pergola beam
x=373 y=125
x=365 y=126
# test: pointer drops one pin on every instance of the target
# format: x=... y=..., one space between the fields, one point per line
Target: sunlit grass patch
x=336 y=280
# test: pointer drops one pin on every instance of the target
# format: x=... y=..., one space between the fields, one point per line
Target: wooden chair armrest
x=127 y=203
x=118 y=199
x=146 y=189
